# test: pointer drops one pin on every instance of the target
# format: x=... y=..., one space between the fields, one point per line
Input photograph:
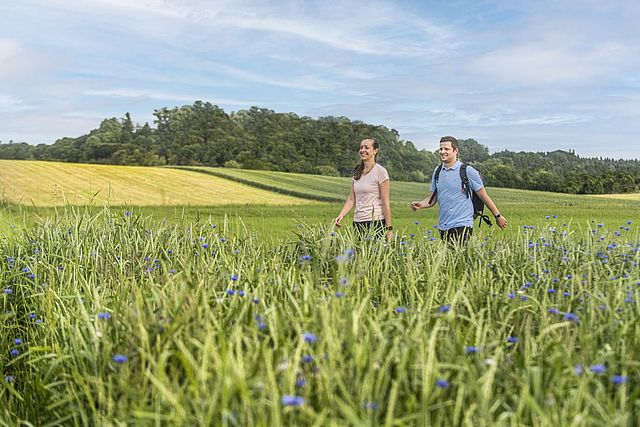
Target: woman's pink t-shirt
x=367 y=190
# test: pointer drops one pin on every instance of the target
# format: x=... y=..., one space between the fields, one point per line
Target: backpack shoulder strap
x=436 y=175
x=465 y=179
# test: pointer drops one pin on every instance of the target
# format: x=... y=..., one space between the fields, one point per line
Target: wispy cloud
x=550 y=62
x=161 y=96
x=12 y=104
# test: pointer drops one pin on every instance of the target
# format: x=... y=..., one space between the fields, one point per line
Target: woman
x=369 y=193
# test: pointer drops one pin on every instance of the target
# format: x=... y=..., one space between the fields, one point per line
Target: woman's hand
x=338 y=220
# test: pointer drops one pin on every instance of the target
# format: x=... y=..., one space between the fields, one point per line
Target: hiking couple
x=454 y=185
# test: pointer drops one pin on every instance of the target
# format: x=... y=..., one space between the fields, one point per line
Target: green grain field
x=244 y=314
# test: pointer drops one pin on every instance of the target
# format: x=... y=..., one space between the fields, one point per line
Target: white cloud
x=548 y=62
x=9 y=49
x=163 y=96
x=12 y=104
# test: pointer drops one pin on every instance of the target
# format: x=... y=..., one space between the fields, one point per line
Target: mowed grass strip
x=315 y=187
x=56 y=184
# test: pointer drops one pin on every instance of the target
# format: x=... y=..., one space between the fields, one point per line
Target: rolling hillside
x=55 y=184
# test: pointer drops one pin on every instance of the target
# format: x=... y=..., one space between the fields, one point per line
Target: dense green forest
x=258 y=138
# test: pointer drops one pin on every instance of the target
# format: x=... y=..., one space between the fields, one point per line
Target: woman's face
x=366 y=150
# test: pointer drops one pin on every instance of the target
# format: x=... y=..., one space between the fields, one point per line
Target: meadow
x=249 y=314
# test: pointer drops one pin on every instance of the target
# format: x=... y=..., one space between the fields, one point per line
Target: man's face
x=447 y=152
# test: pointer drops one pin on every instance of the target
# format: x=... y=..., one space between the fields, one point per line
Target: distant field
x=627 y=196
x=34 y=189
x=56 y=184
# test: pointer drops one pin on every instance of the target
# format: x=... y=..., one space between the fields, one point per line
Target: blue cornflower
x=172 y=271
x=309 y=337
x=511 y=296
x=618 y=379
x=400 y=309
x=222 y=239
x=301 y=382
x=571 y=317
x=551 y=291
x=262 y=326
x=32 y=316
x=440 y=383
x=231 y=291
x=305 y=258
x=255 y=301
x=127 y=213
x=553 y=311
x=339 y=294
x=512 y=340
x=471 y=349
x=344 y=281
x=629 y=222
x=14 y=352
x=373 y=406
x=234 y=277
x=17 y=341
x=205 y=246
x=104 y=315
x=566 y=294
x=524 y=298
x=578 y=369
x=307 y=358
x=120 y=358
x=444 y=309
x=288 y=400
x=597 y=369
x=241 y=293
x=8 y=291
x=9 y=378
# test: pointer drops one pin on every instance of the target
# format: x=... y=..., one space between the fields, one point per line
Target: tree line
x=258 y=138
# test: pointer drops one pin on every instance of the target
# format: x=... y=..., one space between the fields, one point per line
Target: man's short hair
x=452 y=140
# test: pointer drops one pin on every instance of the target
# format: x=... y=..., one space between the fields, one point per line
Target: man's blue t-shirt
x=456 y=209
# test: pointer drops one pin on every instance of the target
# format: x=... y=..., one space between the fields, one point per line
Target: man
x=455 y=216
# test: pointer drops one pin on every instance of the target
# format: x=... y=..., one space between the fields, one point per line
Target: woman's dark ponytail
x=357 y=171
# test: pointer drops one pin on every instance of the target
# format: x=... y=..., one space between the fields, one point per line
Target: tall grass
x=122 y=319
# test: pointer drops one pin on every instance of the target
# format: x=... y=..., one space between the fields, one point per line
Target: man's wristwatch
x=389 y=227
x=498 y=216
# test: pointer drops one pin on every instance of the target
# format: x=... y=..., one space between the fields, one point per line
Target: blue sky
x=517 y=75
